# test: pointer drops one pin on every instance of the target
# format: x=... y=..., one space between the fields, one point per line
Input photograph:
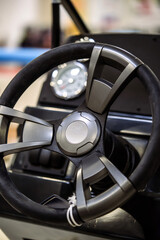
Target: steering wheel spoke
x=116 y=175
x=88 y=174
x=95 y=56
x=20 y=117
x=118 y=86
x=101 y=94
x=36 y=132
x=6 y=149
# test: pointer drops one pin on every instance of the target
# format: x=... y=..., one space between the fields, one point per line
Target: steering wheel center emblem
x=78 y=133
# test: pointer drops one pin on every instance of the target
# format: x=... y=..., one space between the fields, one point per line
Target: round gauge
x=69 y=80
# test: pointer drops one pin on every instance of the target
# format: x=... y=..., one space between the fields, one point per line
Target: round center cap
x=76 y=132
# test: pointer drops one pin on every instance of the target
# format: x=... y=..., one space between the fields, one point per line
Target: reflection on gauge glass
x=69 y=80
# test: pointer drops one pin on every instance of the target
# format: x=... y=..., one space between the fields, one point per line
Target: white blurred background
x=100 y=15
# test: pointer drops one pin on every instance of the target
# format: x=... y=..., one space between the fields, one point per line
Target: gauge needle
x=63 y=87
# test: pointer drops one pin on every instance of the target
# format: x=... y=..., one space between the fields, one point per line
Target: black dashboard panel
x=145 y=47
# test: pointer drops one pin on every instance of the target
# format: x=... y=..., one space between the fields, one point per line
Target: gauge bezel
x=61 y=69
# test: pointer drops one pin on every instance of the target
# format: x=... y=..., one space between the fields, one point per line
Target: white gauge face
x=69 y=80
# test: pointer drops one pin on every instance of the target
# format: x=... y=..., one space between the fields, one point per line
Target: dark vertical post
x=67 y=4
x=55 y=33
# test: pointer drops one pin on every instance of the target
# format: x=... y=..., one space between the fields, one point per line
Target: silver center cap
x=78 y=133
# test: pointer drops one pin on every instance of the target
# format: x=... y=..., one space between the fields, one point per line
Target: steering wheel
x=80 y=135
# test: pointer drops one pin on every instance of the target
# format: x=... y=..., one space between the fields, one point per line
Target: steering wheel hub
x=78 y=133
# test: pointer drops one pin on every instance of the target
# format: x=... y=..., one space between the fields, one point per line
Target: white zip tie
x=70 y=217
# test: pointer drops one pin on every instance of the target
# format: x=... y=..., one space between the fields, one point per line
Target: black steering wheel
x=80 y=135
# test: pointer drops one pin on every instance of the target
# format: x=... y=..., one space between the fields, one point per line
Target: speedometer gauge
x=69 y=80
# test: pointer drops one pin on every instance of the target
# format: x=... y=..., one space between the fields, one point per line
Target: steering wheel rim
x=45 y=63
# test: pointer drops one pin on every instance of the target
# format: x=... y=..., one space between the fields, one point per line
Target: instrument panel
x=69 y=80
